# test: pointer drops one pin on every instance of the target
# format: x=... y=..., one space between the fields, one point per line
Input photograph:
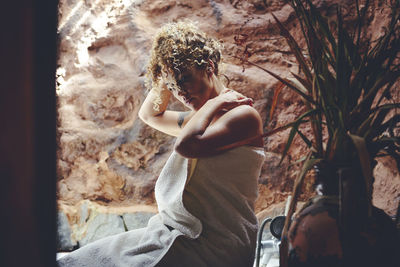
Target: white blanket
x=208 y=221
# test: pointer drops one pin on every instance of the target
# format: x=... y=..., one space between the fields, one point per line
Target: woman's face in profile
x=194 y=88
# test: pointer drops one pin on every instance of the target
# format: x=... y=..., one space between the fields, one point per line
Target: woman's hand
x=229 y=99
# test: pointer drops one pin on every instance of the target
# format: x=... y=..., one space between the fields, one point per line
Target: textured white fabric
x=207 y=222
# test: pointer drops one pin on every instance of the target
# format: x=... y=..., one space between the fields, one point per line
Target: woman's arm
x=238 y=126
x=166 y=121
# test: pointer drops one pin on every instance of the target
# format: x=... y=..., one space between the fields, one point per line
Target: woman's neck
x=218 y=86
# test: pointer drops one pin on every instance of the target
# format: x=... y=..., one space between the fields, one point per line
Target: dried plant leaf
x=277 y=92
x=294 y=48
x=285 y=81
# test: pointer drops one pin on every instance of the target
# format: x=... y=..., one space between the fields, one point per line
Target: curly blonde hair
x=178 y=47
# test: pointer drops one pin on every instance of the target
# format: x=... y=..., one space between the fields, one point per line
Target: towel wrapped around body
x=206 y=217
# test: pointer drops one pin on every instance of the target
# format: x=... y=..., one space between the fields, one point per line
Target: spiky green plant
x=345 y=82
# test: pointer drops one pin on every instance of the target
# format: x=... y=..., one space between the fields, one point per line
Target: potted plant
x=345 y=82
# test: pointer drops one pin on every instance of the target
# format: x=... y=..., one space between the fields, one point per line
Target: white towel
x=208 y=221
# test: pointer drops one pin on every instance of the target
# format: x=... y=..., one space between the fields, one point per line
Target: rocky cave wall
x=107 y=157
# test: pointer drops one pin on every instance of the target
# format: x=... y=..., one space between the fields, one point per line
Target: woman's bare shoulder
x=246 y=111
x=246 y=119
x=245 y=115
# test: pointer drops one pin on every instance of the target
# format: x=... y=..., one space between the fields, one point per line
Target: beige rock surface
x=107 y=155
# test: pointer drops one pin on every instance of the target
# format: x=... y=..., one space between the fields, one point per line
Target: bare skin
x=163 y=120
x=219 y=118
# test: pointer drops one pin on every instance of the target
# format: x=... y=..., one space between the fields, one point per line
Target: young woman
x=206 y=191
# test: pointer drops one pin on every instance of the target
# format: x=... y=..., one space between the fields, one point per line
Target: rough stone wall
x=107 y=155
